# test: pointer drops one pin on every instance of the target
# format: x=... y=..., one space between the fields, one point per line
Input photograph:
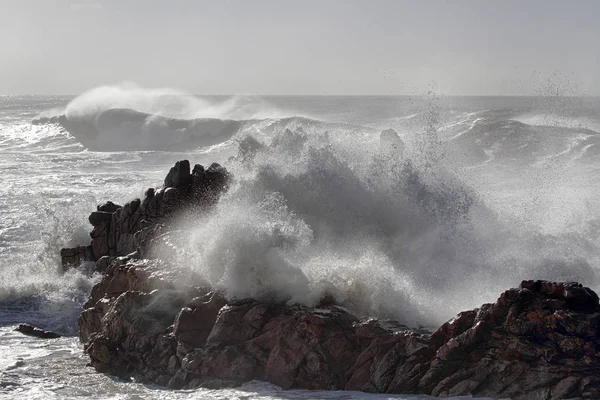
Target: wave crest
x=128 y=117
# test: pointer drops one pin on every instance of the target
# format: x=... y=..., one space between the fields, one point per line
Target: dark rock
x=522 y=345
x=30 y=330
x=98 y=217
x=102 y=264
x=194 y=322
x=207 y=185
x=179 y=175
x=147 y=198
x=109 y=207
x=529 y=341
x=121 y=230
x=72 y=257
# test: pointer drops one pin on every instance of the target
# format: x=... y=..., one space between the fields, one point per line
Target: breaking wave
x=380 y=229
x=124 y=129
x=127 y=117
x=389 y=224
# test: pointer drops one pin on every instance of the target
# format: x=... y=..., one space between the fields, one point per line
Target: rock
x=193 y=323
x=207 y=185
x=72 y=257
x=529 y=341
x=102 y=264
x=121 y=230
x=390 y=144
x=31 y=330
x=538 y=339
x=149 y=322
x=98 y=217
x=179 y=175
x=109 y=207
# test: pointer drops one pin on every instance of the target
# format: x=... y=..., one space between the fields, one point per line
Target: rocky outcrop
x=121 y=230
x=143 y=320
x=538 y=340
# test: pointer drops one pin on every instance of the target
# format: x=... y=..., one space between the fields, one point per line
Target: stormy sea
x=412 y=208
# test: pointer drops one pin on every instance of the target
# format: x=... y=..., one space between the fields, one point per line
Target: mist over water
x=465 y=197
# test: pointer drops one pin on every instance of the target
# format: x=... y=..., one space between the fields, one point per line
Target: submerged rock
x=31 y=330
x=536 y=341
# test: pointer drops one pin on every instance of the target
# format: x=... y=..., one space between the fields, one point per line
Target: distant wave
x=559 y=121
x=126 y=129
x=128 y=117
x=515 y=141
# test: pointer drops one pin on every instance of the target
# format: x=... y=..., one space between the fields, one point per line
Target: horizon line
x=326 y=95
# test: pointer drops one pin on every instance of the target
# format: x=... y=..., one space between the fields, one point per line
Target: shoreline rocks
x=536 y=341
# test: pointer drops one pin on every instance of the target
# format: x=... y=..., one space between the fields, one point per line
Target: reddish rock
x=529 y=341
x=534 y=341
x=194 y=322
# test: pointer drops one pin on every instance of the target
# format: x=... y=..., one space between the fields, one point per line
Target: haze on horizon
x=462 y=47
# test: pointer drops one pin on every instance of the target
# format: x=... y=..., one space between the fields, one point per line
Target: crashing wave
x=127 y=117
x=126 y=129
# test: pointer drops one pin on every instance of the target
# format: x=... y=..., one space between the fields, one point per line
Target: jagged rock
x=102 y=264
x=529 y=341
x=194 y=322
x=121 y=230
x=98 y=217
x=537 y=341
x=540 y=338
x=109 y=207
x=74 y=256
x=179 y=175
x=207 y=185
x=31 y=330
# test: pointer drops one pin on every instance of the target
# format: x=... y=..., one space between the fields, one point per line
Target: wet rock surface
x=536 y=341
x=31 y=330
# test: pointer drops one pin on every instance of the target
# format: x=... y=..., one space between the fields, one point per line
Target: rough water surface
x=486 y=192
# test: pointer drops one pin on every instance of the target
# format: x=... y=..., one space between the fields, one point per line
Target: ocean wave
x=23 y=136
x=517 y=143
x=123 y=129
x=556 y=120
x=128 y=117
x=126 y=129
x=383 y=232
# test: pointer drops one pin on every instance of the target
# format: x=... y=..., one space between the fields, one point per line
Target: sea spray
x=327 y=212
x=324 y=208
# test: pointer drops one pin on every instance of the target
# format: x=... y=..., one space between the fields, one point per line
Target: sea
x=466 y=197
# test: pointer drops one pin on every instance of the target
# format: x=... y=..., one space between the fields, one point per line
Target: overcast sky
x=300 y=47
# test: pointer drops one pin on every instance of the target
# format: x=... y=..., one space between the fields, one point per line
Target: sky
x=459 y=47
